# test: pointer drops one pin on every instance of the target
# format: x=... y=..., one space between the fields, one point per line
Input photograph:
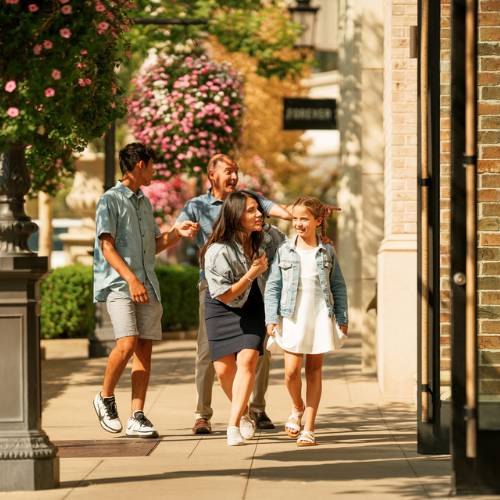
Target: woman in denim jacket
x=306 y=311
x=235 y=263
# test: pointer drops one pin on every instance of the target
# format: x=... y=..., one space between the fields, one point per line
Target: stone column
x=361 y=173
x=28 y=460
x=372 y=174
x=350 y=219
x=397 y=257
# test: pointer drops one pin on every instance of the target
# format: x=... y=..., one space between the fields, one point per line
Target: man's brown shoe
x=262 y=421
x=202 y=426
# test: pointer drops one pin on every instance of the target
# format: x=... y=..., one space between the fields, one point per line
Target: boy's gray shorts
x=132 y=319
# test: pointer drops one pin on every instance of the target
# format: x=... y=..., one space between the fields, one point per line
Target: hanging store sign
x=309 y=114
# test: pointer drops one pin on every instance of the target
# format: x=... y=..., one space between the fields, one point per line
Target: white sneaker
x=139 y=425
x=234 y=437
x=247 y=427
x=107 y=413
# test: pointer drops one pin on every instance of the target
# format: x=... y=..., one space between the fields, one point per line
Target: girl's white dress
x=309 y=330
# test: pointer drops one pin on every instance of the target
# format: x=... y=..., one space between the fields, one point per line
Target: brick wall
x=445 y=200
x=489 y=198
x=400 y=118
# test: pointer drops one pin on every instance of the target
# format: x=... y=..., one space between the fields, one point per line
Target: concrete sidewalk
x=366 y=443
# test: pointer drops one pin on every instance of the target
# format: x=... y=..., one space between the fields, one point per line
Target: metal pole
x=424 y=56
x=471 y=244
x=109 y=158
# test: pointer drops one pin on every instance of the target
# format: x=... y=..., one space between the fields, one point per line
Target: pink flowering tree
x=257 y=177
x=58 y=84
x=168 y=198
x=188 y=109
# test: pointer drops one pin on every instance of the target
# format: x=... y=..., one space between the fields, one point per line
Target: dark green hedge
x=67 y=310
x=67 y=306
x=179 y=297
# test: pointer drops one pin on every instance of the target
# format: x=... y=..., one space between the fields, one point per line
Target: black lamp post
x=305 y=15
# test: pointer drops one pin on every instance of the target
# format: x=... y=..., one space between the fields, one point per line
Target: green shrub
x=67 y=300
x=179 y=297
x=67 y=306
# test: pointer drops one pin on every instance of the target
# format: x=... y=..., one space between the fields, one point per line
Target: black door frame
x=433 y=435
x=477 y=475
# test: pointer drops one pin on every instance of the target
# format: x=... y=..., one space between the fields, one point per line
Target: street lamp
x=305 y=15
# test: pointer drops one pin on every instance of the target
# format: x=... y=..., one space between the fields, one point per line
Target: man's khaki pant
x=205 y=372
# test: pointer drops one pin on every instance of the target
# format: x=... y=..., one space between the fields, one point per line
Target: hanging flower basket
x=188 y=109
x=58 y=84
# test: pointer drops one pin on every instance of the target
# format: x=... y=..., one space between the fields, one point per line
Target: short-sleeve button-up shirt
x=205 y=209
x=128 y=218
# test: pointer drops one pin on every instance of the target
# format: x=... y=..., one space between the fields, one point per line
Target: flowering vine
x=257 y=177
x=168 y=197
x=188 y=109
x=58 y=85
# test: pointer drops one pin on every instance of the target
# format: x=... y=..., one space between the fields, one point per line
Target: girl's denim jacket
x=225 y=264
x=282 y=284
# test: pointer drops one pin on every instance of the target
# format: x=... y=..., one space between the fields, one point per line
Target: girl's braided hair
x=316 y=208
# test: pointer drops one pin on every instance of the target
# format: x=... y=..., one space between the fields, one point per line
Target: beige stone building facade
x=377 y=229
x=378 y=161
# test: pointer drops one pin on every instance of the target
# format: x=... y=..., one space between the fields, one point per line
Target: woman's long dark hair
x=227 y=226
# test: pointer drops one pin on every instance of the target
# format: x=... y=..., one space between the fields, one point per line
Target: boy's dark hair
x=133 y=153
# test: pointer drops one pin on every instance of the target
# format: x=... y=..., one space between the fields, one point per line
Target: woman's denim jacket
x=225 y=264
x=282 y=284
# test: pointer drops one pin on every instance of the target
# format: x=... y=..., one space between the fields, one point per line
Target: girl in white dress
x=306 y=311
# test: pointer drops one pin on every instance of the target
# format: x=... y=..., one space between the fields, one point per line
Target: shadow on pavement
x=58 y=374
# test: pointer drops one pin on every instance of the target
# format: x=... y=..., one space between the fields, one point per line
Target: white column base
x=397 y=315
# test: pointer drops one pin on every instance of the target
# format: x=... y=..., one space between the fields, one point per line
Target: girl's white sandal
x=297 y=416
x=307 y=438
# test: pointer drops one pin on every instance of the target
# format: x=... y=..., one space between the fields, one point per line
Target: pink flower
x=65 y=33
x=56 y=74
x=49 y=92
x=64 y=1
x=10 y=86
x=29 y=146
x=112 y=104
x=37 y=49
x=47 y=44
x=114 y=90
x=103 y=26
x=127 y=53
x=66 y=9
x=81 y=82
x=12 y=2
x=32 y=7
x=83 y=52
x=13 y=112
x=88 y=81
x=196 y=169
x=100 y=7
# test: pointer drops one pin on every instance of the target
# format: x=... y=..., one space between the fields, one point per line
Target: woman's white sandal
x=234 y=437
x=307 y=438
x=297 y=416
